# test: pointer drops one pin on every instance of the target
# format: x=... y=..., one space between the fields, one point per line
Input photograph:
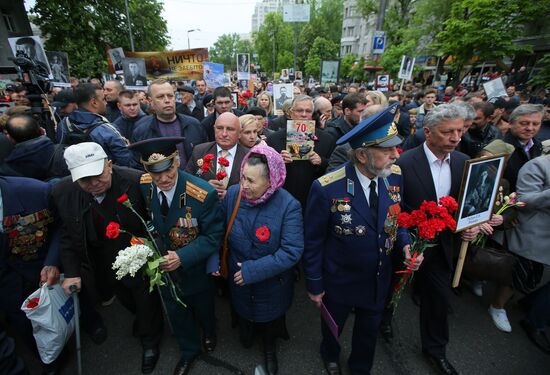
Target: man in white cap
x=87 y=203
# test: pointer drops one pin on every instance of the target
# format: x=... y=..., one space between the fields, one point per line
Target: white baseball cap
x=85 y=159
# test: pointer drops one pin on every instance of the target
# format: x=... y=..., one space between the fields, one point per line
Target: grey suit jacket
x=530 y=238
x=339 y=156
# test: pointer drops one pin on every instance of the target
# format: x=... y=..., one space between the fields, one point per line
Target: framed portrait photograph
x=479 y=189
x=329 y=71
x=59 y=63
x=135 y=76
x=235 y=99
x=116 y=55
x=243 y=66
x=281 y=93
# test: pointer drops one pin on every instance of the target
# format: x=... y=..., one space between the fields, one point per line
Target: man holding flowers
x=186 y=215
x=87 y=204
x=432 y=171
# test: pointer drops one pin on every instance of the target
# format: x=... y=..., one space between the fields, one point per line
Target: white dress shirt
x=441 y=172
x=168 y=194
x=365 y=184
x=230 y=157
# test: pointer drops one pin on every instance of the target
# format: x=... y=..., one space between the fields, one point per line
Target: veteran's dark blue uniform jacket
x=347 y=255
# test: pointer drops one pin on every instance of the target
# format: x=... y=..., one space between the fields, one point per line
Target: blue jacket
x=105 y=134
x=126 y=126
x=266 y=266
x=347 y=254
x=30 y=159
x=29 y=239
x=191 y=129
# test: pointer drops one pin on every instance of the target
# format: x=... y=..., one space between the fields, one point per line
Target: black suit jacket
x=198 y=111
x=208 y=122
x=210 y=148
x=418 y=187
x=300 y=174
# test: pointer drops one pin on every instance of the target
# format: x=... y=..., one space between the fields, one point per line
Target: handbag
x=489 y=263
x=225 y=248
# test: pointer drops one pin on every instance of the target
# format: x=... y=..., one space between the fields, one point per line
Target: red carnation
x=113 y=230
x=263 y=234
x=399 y=150
x=206 y=167
x=123 y=198
x=208 y=158
x=13 y=234
x=33 y=302
x=449 y=203
x=221 y=175
x=223 y=161
x=404 y=220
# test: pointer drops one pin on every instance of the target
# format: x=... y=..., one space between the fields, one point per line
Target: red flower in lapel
x=221 y=175
x=263 y=234
x=123 y=198
x=223 y=161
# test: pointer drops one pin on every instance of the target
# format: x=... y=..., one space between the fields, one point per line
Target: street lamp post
x=188 y=42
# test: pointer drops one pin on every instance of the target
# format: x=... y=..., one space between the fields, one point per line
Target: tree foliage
x=226 y=48
x=273 y=38
x=85 y=29
x=484 y=29
x=542 y=78
x=322 y=49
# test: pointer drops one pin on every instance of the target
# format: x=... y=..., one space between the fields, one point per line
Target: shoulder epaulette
x=332 y=176
x=196 y=192
x=395 y=169
x=145 y=179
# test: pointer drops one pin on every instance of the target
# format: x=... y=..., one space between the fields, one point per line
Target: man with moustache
x=351 y=235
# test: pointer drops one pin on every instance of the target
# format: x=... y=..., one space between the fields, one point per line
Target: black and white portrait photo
x=281 y=93
x=134 y=72
x=243 y=66
x=479 y=189
x=59 y=64
x=31 y=47
x=329 y=71
x=405 y=71
x=116 y=55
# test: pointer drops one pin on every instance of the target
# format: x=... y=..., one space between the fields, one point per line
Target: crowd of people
x=228 y=202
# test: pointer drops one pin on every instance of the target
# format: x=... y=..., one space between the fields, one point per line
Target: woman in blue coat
x=265 y=242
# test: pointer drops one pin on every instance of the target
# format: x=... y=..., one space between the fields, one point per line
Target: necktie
x=373 y=200
x=163 y=204
x=224 y=153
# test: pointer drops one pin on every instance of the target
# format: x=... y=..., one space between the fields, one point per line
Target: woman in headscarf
x=265 y=242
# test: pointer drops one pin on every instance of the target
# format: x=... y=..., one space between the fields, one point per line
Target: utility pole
x=129 y=25
x=381 y=15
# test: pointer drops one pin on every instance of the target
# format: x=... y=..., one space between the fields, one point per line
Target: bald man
x=322 y=111
x=227 y=131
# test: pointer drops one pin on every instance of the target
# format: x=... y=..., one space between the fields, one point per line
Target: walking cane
x=74 y=292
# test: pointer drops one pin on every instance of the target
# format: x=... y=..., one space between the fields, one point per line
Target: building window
x=10 y=25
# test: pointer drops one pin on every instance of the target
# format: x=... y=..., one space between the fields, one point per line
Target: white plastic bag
x=52 y=320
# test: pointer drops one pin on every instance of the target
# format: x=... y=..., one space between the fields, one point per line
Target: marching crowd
x=227 y=202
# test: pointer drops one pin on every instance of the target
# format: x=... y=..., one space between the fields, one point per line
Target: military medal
x=348 y=231
x=360 y=230
x=340 y=207
x=183 y=200
x=338 y=229
x=345 y=218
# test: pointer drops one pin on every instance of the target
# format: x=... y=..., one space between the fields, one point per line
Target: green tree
x=542 y=78
x=226 y=48
x=87 y=28
x=273 y=38
x=485 y=29
x=346 y=65
x=322 y=49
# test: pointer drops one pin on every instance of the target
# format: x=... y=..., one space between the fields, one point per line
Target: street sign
x=296 y=13
x=378 y=42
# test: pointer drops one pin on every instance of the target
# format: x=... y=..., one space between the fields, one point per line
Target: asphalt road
x=476 y=346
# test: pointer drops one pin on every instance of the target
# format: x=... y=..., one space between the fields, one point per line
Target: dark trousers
x=14 y=288
x=434 y=286
x=146 y=307
x=187 y=321
x=539 y=307
x=363 y=342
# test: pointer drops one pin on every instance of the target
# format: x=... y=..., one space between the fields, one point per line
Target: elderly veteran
x=186 y=214
x=350 y=237
x=87 y=202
